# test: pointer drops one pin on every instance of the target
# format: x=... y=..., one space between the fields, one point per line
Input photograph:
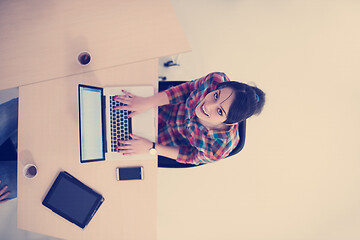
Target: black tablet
x=72 y=200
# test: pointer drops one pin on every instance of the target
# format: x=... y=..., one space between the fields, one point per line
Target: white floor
x=8 y=229
x=8 y=94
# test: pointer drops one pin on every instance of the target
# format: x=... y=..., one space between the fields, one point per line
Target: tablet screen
x=72 y=200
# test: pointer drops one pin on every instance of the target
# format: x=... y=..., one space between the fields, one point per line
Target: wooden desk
x=40 y=40
x=49 y=137
x=39 y=45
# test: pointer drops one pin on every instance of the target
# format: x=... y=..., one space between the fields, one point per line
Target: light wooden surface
x=49 y=138
x=40 y=40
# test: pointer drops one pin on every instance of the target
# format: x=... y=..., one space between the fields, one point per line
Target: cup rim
x=26 y=167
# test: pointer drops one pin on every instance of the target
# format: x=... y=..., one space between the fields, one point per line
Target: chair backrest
x=171 y=163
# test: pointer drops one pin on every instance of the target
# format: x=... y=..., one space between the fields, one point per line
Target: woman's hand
x=137 y=145
x=135 y=104
x=4 y=194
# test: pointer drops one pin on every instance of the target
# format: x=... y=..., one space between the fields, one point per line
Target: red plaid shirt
x=178 y=125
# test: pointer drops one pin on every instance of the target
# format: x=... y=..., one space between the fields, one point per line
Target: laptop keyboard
x=120 y=126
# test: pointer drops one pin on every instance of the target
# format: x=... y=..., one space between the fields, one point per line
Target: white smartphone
x=129 y=173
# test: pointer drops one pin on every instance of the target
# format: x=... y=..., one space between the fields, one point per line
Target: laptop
x=101 y=126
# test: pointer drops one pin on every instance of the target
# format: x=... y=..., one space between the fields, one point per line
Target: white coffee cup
x=30 y=171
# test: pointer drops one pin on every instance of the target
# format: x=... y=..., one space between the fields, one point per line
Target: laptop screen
x=91 y=124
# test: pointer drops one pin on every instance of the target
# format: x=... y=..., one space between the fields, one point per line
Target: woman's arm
x=180 y=93
x=159 y=99
x=140 y=145
x=183 y=154
x=138 y=104
x=167 y=151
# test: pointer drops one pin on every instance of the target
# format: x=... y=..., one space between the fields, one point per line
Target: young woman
x=198 y=120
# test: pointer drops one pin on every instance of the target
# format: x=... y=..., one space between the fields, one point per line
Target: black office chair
x=165 y=162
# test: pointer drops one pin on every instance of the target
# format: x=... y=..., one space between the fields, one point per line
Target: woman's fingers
x=128 y=152
x=137 y=145
x=128 y=93
x=4 y=196
x=133 y=103
x=124 y=147
x=127 y=148
x=128 y=142
x=3 y=190
x=124 y=98
x=128 y=106
x=134 y=136
x=132 y=114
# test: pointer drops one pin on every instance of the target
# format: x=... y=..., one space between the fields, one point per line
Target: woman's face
x=212 y=111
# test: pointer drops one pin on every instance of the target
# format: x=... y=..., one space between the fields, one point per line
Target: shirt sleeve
x=180 y=93
x=213 y=151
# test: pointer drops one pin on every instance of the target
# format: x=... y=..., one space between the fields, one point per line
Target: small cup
x=30 y=171
x=84 y=58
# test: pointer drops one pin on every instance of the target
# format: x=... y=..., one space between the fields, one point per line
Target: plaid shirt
x=178 y=125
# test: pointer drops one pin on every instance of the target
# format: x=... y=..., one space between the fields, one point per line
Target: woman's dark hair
x=248 y=101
